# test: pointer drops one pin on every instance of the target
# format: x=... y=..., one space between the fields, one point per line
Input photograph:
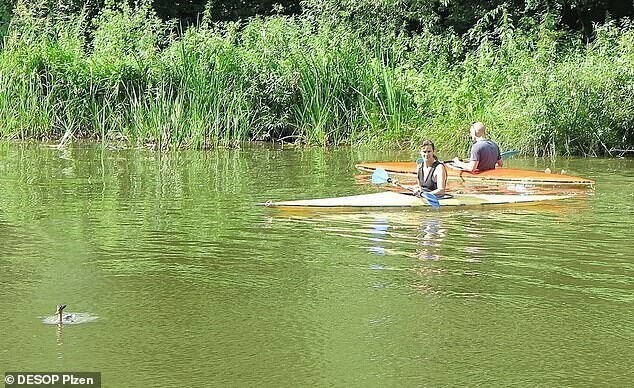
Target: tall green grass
x=127 y=77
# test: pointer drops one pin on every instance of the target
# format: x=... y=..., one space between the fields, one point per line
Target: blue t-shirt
x=487 y=153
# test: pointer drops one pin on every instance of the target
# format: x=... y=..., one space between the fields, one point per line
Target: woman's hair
x=428 y=143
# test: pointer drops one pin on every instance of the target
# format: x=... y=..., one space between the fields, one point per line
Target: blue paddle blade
x=431 y=199
x=508 y=154
x=380 y=176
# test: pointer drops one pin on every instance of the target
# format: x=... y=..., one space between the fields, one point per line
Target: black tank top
x=428 y=183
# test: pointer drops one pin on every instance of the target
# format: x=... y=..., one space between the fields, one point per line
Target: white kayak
x=391 y=199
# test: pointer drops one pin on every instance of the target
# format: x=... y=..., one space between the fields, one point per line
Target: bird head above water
x=59 y=311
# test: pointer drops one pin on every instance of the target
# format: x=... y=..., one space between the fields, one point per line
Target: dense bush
x=125 y=75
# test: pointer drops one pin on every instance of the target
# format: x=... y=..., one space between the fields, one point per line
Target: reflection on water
x=69 y=319
x=484 y=243
x=194 y=285
x=431 y=237
x=378 y=230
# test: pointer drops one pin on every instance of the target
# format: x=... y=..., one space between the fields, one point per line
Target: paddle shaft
x=397 y=183
x=381 y=176
x=428 y=197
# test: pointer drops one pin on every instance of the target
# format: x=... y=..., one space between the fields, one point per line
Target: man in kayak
x=485 y=154
x=432 y=176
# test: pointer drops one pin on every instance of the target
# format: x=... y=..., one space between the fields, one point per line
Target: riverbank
x=127 y=77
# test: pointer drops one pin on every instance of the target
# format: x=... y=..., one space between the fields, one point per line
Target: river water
x=189 y=283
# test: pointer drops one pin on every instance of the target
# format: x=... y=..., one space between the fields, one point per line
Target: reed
x=126 y=77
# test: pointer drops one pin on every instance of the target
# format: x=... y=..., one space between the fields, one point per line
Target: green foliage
x=123 y=33
x=6 y=11
x=321 y=78
x=582 y=104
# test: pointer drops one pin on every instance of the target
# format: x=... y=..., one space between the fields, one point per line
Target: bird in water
x=59 y=311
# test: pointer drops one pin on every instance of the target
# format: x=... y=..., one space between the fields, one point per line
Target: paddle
x=380 y=176
x=508 y=154
x=504 y=155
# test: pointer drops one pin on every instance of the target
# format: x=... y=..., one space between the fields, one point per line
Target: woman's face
x=427 y=152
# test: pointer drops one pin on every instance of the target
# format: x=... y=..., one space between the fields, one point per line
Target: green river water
x=193 y=285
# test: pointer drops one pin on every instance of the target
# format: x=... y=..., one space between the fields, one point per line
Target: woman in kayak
x=432 y=175
x=485 y=154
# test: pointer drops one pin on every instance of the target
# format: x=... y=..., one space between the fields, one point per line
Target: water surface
x=195 y=285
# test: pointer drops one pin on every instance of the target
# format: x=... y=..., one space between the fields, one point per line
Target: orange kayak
x=495 y=175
